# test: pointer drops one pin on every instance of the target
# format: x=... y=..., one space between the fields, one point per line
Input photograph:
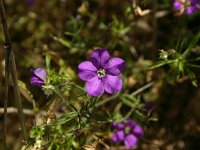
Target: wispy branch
x=10 y=67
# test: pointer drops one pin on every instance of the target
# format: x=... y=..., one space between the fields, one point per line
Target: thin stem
x=59 y=94
x=7 y=74
x=10 y=62
x=107 y=100
x=193 y=65
x=133 y=94
x=142 y=88
x=17 y=96
x=186 y=52
x=194 y=59
x=4 y=23
x=12 y=110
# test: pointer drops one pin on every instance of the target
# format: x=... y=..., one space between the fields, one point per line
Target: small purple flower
x=101 y=73
x=186 y=6
x=128 y=132
x=38 y=76
x=177 y=5
x=30 y=3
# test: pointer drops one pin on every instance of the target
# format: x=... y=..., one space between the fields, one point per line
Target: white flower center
x=101 y=73
x=127 y=130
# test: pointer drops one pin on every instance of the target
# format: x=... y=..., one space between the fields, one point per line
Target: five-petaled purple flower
x=101 y=73
x=186 y=6
x=38 y=76
x=128 y=132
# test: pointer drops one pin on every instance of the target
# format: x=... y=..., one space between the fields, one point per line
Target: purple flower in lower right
x=186 y=6
x=128 y=132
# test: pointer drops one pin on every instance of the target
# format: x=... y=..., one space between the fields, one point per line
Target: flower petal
x=130 y=141
x=39 y=72
x=94 y=86
x=177 y=5
x=191 y=10
x=118 y=126
x=112 y=84
x=115 y=66
x=100 y=57
x=138 y=131
x=130 y=123
x=37 y=81
x=87 y=70
x=118 y=136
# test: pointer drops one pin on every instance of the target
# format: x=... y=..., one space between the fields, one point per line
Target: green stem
x=107 y=100
x=193 y=65
x=142 y=88
x=59 y=94
x=195 y=59
x=133 y=94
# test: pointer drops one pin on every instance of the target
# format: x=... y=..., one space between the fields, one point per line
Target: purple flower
x=128 y=132
x=101 y=73
x=38 y=76
x=186 y=6
x=177 y=5
x=30 y=3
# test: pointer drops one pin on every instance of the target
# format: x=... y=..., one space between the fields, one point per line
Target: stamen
x=101 y=73
x=127 y=130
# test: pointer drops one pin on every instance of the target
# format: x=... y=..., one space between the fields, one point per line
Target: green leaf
x=64 y=119
x=161 y=63
x=63 y=42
